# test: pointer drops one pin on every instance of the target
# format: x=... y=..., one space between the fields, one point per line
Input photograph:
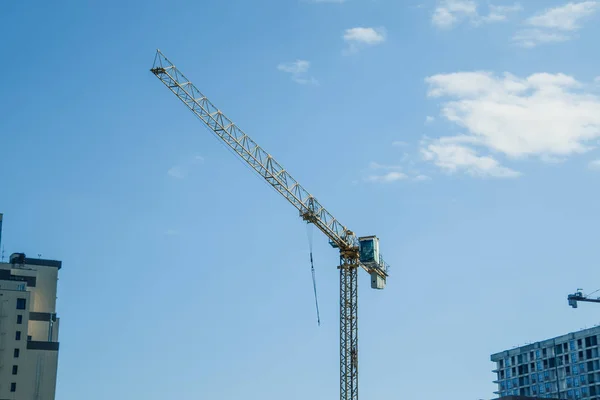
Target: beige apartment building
x=28 y=328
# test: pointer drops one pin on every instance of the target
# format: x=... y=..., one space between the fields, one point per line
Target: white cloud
x=533 y=37
x=368 y=36
x=566 y=17
x=449 y=13
x=429 y=119
x=382 y=173
x=452 y=158
x=421 y=178
x=556 y=24
x=500 y=13
x=388 y=177
x=547 y=116
x=359 y=37
x=386 y=174
x=374 y=165
x=595 y=165
x=298 y=70
x=176 y=172
x=295 y=67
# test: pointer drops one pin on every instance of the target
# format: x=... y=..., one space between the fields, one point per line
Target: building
x=520 y=398
x=28 y=328
x=565 y=367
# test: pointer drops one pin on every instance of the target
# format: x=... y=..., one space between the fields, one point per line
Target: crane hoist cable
x=309 y=232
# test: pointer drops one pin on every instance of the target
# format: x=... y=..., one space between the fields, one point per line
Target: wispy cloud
x=176 y=172
x=449 y=13
x=382 y=173
x=298 y=71
x=544 y=116
x=500 y=13
x=359 y=37
x=595 y=165
x=385 y=173
x=181 y=170
x=429 y=120
x=387 y=177
x=533 y=37
x=421 y=178
x=555 y=25
x=452 y=157
x=566 y=17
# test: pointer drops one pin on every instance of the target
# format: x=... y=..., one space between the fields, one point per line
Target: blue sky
x=463 y=133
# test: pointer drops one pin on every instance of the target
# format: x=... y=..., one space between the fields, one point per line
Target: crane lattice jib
x=261 y=161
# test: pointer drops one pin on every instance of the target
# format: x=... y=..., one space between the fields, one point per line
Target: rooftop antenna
x=39 y=255
x=2 y=255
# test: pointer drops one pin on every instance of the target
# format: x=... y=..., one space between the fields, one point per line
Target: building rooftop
x=21 y=259
x=547 y=343
x=521 y=398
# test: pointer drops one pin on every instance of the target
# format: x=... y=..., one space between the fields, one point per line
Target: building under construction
x=565 y=367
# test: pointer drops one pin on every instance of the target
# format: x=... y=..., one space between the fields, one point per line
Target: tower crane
x=579 y=296
x=354 y=251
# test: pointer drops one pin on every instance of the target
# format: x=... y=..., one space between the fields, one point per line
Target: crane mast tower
x=355 y=252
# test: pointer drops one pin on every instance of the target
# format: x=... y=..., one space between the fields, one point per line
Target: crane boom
x=350 y=246
x=579 y=296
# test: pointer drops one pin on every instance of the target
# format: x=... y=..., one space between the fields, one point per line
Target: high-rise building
x=565 y=367
x=28 y=328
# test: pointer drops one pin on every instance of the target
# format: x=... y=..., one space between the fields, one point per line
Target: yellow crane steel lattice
x=354 y=251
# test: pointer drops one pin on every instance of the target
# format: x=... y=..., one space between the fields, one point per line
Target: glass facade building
x=565 y=367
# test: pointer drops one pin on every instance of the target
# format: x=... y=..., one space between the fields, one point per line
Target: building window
x=16 y=353
x=21 y=304
x=18 y=335
x=19 y=319
x=13 y=387
x=15 y=369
